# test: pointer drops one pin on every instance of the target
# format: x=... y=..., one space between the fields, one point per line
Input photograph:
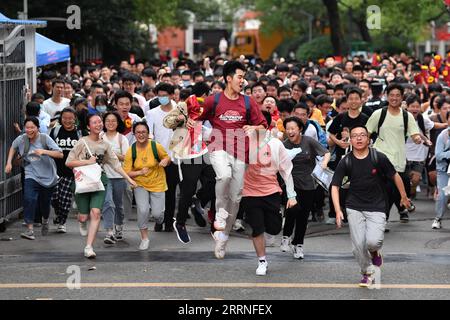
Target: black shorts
x=263 y=214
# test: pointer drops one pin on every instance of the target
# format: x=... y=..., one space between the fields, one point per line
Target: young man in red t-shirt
x=232 y=123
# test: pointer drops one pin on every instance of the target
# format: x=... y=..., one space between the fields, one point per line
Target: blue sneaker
x=182 y=234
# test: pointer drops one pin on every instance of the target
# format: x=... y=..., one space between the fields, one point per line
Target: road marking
x=249 y=285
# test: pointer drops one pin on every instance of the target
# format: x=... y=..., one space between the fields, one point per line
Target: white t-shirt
x=311 y=132
x=119 y=145
x=161 y=134
x=142 y=103
x=50 y=107
x=418 y=152
x=130 y=136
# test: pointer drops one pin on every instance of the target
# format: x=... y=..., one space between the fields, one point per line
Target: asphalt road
x=416 y=266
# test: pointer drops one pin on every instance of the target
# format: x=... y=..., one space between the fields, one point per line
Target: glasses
x=356 y=136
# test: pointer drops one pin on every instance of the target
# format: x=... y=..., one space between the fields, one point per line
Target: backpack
x=55 y=131
x=421 y=123
x=21 y=160
x=405 y=121
x=321 y=135
x=134 y=152
x=381 y=177
x=247 y=106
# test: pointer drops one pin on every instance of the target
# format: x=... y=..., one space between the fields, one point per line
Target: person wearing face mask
x=163 y=135
x=66 y=136
x=101 y=104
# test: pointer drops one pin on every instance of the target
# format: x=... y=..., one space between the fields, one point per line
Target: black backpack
x=383 y=117
x=381 y=177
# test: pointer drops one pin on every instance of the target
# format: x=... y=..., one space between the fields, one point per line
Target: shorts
x=91 y=200
x=416 y=166
x=431 y=163
x=263 y=214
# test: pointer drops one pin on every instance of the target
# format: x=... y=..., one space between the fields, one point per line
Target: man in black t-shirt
x=65 y=136
x=366 y=201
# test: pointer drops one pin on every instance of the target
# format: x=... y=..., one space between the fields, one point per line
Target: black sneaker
x=182 y=234
x=168 y=227
x=197 y=212
x=412 y=208
x=158 y=227
x=404 y=217
x=110 y=239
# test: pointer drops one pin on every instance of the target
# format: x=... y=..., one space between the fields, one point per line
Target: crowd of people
x=224 y=131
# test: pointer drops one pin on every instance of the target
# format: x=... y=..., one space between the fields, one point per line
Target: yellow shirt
x=155 y=179
x=317 y=116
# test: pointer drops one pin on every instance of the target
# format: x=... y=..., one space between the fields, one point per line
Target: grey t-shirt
x=305 y=161
x=41 y=169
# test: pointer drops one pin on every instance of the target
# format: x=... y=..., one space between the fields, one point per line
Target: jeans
x=229 y=184
x=36 y=198
x=113 y=206
x=441 y=203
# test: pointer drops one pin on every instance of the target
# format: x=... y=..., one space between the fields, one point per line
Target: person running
x=392 y=132
x=66 y=137
x=145 y=161
x=89 y=150
x=36 y=151
x=366 y=202
x=113 y=215
x=442 y=152
x=303 y=151
x=261 y=196
x=229 y=112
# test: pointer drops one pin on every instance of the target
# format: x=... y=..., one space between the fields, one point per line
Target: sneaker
x=118 y=232
x=221 y=220
x=37 y=225
x=298 y=252
x=270 y=240
x=404 y=217
x=219 y=249
x=285 y=244
x=61 y=228
x=238 y=226
x=387 y=227
x=89 y=252
x=144 y=244
x=181 y=231
x=366 y=281
x=331 y=221
x=158 y=227
x=44 y=228
x=197 y=212
x=436 y=224
x=29 y=234
x=377 y=259
x=110 y=239
x=412 y=208
x=83 y=228
x=262 y=268
x=168 y=227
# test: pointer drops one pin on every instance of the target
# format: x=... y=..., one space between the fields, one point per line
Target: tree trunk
x=363 y=30
x=335 y=25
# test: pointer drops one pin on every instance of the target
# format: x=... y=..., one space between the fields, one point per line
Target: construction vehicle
x=248 y=38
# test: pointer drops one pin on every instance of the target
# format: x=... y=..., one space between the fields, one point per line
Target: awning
x=49 y=51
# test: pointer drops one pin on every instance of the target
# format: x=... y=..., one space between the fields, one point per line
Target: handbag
x=88 y=178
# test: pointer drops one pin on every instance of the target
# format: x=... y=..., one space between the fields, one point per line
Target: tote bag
x=88 y=178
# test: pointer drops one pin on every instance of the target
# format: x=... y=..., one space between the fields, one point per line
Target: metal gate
x=12 y=94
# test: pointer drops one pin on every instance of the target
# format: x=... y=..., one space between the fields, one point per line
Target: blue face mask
x=164 y=100
x=186 y=83
x=101 y=108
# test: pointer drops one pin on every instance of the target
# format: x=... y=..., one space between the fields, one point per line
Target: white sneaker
x=61 y=228
x=89 y=252
x=238 y=226
x=298 y=252
x=436 y=224
x=83 y=228
x=219 y=249
x=331 y=221
x=221 y=220
x=285 y=244
x=144 y=244
x=270 y=240
x=262 y=268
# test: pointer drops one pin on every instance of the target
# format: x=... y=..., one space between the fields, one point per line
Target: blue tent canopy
x=49 y=51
